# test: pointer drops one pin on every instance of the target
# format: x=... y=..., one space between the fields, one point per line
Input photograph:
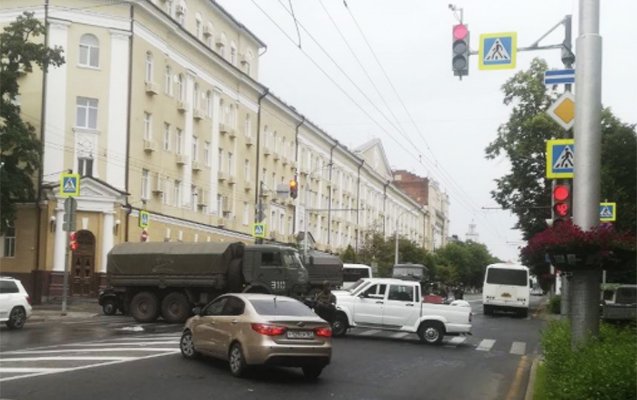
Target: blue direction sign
x=258 y=230
x=498 y=50
x=70 y=185
x=560 y=155
x=607 y=212
x=559 y=76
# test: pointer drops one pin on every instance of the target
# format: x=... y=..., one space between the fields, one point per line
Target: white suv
x=15 y=303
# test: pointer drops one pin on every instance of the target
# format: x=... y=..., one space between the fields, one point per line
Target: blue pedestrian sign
x=258 y=230
x=70 y=185
x=559 y=76
x=144 y=219
x=498 y=50
x=560 y=158
x=607 y=212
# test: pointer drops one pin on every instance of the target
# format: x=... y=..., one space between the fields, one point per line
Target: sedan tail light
x=28 y=299
x=324 y=331
x=269 y=330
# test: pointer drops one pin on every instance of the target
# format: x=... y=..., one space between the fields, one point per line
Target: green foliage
x=349 y=255
x=20 y=150
x=555 y=304
x=539 y=389
x=463 y=262
x=601 y=368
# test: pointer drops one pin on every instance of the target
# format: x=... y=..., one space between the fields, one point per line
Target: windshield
x=292 y=260
x=515 y=277
x=356 y=285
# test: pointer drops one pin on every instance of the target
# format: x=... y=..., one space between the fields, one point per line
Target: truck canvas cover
x=324 y=267
x=172 y=258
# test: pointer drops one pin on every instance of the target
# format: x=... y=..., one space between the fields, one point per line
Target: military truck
x=323 y=267
x=169 y=279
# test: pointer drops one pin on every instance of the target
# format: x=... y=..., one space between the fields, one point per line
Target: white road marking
x=486 y=345
x=124 y=349
x=138 y=343
x=518 y=348
x=369 y=332
x=399 y=335
x=30 y=370
x=65 y=358
x=457 y=340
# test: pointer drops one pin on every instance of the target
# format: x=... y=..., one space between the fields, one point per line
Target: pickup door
x=401 y=307
x=368 y=308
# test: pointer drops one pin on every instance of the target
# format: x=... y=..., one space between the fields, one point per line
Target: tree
x=20 y=150
x=467 y=259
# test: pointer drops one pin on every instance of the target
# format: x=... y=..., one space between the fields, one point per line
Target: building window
x=198 y=26
x=166 y=136
x=206 y=153
x=193 y=197
x=169 y=7
x=230 y=164
x=165 y=198
x=85 y=166
x=246 y=213
x=220 y=166
x=89 y=51
x=180 y=87
x=86 y=113
x=246 y=170
x=233 y=53
x=195 y=97
x=148 y=134
x=247 y=127
x=177 y=193
x=9 y=241
x=209 y=105
x=179 y=141
x=148 y=76
x=168 y=81
x=195 y=148
x=145 y=184
x=220 y=204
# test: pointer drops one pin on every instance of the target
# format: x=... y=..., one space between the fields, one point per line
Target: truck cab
x=274 y=269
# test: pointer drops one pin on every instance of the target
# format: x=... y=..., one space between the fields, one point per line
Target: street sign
x=563 y=110
x=70 y=208
x=282 y=191
x=559 y=76
x=607 y=212
x=258 y=230
x=144 y=219
x=498 y=50
x=69 y=185
x=560 y=154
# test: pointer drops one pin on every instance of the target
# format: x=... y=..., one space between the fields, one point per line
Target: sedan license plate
x=300 y=335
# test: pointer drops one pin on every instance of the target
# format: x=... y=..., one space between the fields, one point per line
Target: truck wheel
x=109 y=307
x=339 y=325
x=235 y=277
x=175 y=307
x=431 y=332
x=144 y=307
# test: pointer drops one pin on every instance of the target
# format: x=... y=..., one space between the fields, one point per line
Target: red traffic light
x=561 y=192
x=561 y=209
x=460 y=31
x=73 y=244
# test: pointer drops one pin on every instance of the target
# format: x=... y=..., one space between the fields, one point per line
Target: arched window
x=89 y=51
x=148 y=71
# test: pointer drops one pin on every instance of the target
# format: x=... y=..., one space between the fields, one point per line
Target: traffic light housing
x=73 y=244
x=561 y=202
x=294 y=188
x=460 y=50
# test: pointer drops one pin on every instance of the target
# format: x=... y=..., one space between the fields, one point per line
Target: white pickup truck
x=396 y=305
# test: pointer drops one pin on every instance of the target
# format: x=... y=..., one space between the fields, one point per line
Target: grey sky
x=456 y=120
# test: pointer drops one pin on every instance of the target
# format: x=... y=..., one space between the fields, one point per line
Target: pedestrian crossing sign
x=258 y=230
x=498 y=50
x=70 y=185
x=144 y=219
x=560 y=158
x=607 y=212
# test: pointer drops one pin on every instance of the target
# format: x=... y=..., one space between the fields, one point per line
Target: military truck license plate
x=300 y=335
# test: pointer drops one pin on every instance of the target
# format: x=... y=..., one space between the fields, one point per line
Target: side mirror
x=196 y=311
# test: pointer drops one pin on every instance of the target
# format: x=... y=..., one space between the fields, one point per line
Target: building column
x=186 y=178
x=214 y=152
x=59 y=250
x=107 y=238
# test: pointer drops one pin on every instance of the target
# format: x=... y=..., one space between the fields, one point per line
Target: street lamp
x=396 y=231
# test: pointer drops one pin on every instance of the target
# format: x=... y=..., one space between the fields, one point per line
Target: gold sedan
x=259 y=329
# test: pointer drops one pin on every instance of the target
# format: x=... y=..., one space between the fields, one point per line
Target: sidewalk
x=76 y=308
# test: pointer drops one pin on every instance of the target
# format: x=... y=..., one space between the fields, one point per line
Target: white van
x=353 y=272
x=506 y=287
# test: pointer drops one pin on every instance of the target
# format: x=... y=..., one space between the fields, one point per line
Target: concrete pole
x=586 y=284
x=396 y=237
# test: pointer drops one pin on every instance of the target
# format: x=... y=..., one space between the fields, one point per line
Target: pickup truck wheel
x=144 y=307
x=339 y=325
x=187 y=346
x=431 y=332
x=109 y=307
x=17 y=317
x=175 y=307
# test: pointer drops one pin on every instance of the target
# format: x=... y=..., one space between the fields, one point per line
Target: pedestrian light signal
x=561 y=202
x=460 y=50
x=73 y=244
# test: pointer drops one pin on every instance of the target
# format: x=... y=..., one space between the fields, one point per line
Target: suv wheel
x=17 y=318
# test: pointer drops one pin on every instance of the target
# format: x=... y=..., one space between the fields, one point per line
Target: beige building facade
x=158 y=107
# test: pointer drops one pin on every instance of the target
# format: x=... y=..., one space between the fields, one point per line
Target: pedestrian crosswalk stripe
x=135 y=343
x=369 y=332
x=400 y=335
x=111 y=350
x=66 y=358
x=457 y=340
x=29 y=370
x=486 y=345
x=518 y=348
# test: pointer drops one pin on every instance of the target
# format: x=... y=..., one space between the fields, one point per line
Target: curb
x=530 y=389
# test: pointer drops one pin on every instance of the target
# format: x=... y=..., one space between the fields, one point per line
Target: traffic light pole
x=65 y=287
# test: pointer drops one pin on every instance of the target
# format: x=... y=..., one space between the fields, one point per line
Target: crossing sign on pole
x=498 y=50
x=258 y=230
x=144 y=219
x=560 y=155
x=607 y=212
x=70 y=185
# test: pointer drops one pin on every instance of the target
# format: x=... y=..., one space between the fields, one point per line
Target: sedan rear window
x=281 y=307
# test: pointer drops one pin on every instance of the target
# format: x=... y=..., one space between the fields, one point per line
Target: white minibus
x=353 y=272
x=506 y=287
